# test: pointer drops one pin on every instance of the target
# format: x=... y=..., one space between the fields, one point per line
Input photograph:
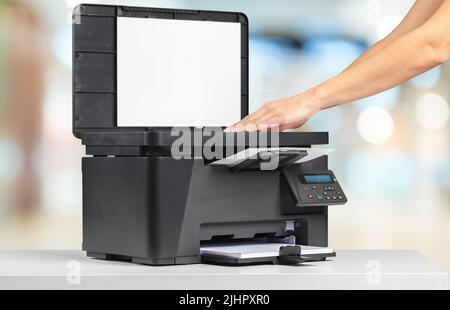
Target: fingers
x=248 y=122
x=273 y=116
x=278 y=115
x=249 y=125
x=258 y=123
x=272 y=124
x=254 y=121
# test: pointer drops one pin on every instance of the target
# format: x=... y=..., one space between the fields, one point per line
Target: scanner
x=143 y=205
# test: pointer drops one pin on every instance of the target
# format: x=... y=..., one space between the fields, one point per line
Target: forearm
x=420 y=12
x=369 y=52
x=405 y=58
x=389 y=63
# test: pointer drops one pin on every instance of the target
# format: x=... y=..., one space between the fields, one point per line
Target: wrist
x=318 y=97
x=310 y=101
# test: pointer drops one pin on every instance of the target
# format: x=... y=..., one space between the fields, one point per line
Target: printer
x=143 y=203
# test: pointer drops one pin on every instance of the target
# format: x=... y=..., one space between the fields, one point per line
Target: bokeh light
x=432 y=111
x=375 y=125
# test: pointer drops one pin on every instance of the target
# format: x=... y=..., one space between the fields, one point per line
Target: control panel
x=315 y=188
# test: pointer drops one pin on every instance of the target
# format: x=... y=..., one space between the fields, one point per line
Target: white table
x=70 y=269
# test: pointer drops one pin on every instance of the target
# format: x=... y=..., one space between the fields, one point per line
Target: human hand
x=279 y=115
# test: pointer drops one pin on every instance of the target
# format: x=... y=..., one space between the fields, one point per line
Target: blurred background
x=392 y=150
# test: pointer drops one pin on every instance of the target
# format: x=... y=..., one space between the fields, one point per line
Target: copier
x=145 y=203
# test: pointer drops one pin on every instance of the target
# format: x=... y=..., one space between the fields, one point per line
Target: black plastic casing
x=142 y=205
x=158 y=210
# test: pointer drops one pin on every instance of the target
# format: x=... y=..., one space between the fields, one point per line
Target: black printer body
x=140 y=204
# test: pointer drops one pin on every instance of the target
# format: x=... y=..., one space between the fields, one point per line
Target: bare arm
x=420 y=12
x=403 y=59
x=407 y=56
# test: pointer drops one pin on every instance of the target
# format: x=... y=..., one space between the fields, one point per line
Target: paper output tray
x=251 y=157
x=263 y=252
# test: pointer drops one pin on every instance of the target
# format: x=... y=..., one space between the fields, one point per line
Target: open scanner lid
x=136 y=68
x=100 y=37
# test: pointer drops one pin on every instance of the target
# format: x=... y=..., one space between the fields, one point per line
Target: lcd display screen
x=317 y=178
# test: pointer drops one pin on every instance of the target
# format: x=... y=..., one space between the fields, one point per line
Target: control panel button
x=317 y=188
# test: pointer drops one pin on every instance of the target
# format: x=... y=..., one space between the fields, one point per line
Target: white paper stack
x=256 y=250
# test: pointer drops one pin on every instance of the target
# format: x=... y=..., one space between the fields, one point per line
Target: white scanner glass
x=178 y=73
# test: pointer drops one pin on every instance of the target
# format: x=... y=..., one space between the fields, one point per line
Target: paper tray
x=259 y=252
x=238 y=158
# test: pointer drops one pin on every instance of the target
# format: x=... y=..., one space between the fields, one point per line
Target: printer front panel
x=225 y=204
x=159 y=208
